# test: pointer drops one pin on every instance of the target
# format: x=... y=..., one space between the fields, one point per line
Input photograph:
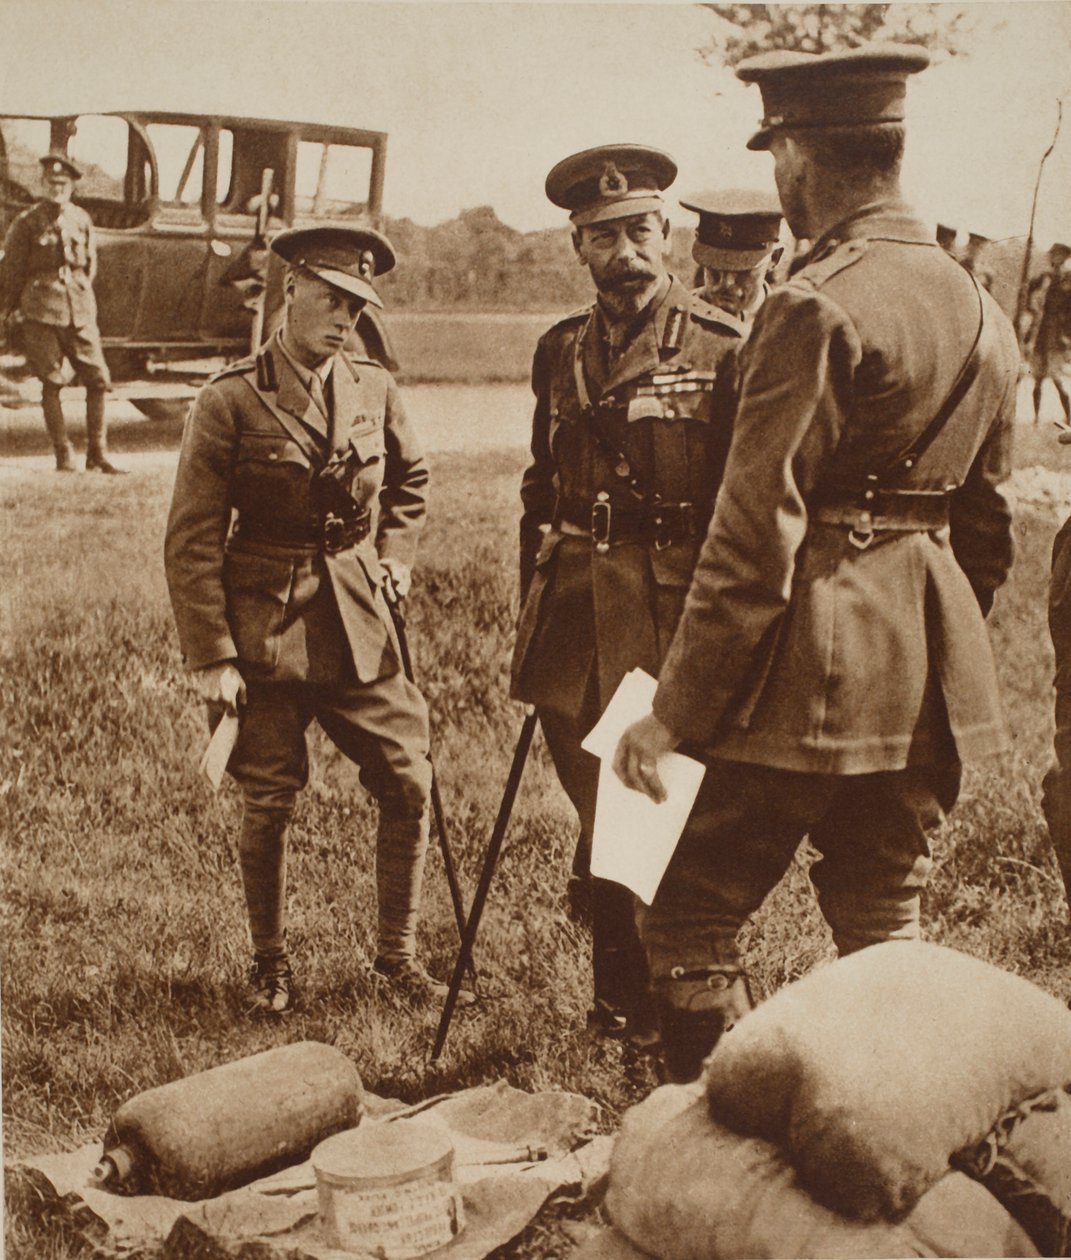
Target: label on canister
x=388 y=1189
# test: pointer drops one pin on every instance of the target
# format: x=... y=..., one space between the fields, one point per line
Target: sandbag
x=1025 y=1163
x=874 y=1070
x=683 y=1187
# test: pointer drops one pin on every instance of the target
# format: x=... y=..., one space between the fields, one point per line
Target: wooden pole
x=1024 y=275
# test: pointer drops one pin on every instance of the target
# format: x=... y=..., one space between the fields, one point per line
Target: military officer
x=628 y=440
x=736 y=247
x=283 y=614
x=832 y=659
x=46 y=277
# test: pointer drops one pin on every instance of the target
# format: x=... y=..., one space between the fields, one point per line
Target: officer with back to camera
x=628 y=439
x=47 y=270
x=832 y=661
x=283 y=615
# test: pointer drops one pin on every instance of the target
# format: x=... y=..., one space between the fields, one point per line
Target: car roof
x=311 y=130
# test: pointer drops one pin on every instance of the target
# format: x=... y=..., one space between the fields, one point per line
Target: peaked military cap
x=348 y=258
x=59 y=164
x=738 y=228
x=611 y=182
x=858 y=88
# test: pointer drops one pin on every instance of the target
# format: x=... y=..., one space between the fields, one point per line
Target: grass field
x=124 y=941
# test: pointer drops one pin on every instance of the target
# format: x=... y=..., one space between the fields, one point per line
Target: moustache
x=623 y=279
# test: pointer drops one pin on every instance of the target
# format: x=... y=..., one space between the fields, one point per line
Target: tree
x=746 y=29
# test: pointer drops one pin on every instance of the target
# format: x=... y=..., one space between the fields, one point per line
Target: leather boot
x=401 y=846
x=56 y=425
x=623 y=1006
x=96 y=436
x=695 y=1008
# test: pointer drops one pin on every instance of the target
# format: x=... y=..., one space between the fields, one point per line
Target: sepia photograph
x=535 y=630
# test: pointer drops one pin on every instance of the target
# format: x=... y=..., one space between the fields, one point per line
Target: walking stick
x=494 y=847
x=394 y=603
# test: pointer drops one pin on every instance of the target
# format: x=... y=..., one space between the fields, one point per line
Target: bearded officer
x=47 y=270
x=832 y=658
x=283 y=615
x=736 y=248
x=628 y=441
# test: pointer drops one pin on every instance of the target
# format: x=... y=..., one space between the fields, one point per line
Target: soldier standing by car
x=46 y=283
x=736 y=248
x=283 y=615
x=832 y=660
x=628 y=441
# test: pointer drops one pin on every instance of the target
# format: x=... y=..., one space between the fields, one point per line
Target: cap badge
x=725 y=230
x=366 y=264
x=612 y=181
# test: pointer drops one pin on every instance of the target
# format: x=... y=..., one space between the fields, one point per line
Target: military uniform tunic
x=812 y=659
x=47 y=272
x=591 y=615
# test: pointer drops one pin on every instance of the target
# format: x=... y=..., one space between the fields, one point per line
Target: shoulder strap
x=922 y=441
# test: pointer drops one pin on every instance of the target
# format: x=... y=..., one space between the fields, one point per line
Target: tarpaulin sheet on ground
x=513 y=1150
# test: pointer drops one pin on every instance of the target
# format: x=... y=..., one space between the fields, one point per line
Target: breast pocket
x=271 y=473
x=368 y=443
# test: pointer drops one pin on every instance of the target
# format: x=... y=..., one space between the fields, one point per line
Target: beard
x=628 y=292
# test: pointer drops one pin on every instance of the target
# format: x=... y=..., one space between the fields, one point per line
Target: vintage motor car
x=183 y=204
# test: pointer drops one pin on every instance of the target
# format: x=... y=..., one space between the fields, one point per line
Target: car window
x=225 y=166
x=100 y=144
x=180 y=157
x=332 y=180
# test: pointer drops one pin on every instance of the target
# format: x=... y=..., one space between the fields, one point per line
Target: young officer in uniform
x=283 y=614
x=46 y=275
x=736 y=247
x=627 y=448
x=832 y=658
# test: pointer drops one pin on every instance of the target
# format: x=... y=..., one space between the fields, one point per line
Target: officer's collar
x=890 y=219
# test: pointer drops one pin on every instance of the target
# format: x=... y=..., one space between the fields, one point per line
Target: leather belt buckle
x=600 y=524
x=336 y=536
x=861 y=534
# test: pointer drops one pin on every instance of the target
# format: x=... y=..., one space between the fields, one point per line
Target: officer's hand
x=221 y=684
x=636 y=759
x=398 y=578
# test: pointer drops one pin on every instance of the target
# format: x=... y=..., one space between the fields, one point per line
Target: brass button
x=669 y=413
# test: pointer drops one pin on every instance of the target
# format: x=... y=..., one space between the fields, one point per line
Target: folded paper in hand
x=634 y=837
x=220 y=747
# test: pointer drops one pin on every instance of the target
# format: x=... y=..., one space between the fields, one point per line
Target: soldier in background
x=282 y=616
x=46 y=283
x=832 y=659
x=1047 y=331
x=628 y=442
x=737 y=247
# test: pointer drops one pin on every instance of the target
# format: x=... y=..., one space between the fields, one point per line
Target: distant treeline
x=477 y=263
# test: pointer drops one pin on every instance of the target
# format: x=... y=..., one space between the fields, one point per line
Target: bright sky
x=480 y=100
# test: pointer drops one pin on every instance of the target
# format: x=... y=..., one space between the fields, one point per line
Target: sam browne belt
x=329 y=533
x=651 y=524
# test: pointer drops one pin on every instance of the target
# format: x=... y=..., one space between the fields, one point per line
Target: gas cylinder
x=206 y=1133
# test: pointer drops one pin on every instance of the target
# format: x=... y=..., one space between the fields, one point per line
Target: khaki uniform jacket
x=48 y=266
x=589 y=617
x=798 y=649
x=290 y=613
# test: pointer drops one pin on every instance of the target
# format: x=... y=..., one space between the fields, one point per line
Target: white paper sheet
x=220 y=747
x=634 y=837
